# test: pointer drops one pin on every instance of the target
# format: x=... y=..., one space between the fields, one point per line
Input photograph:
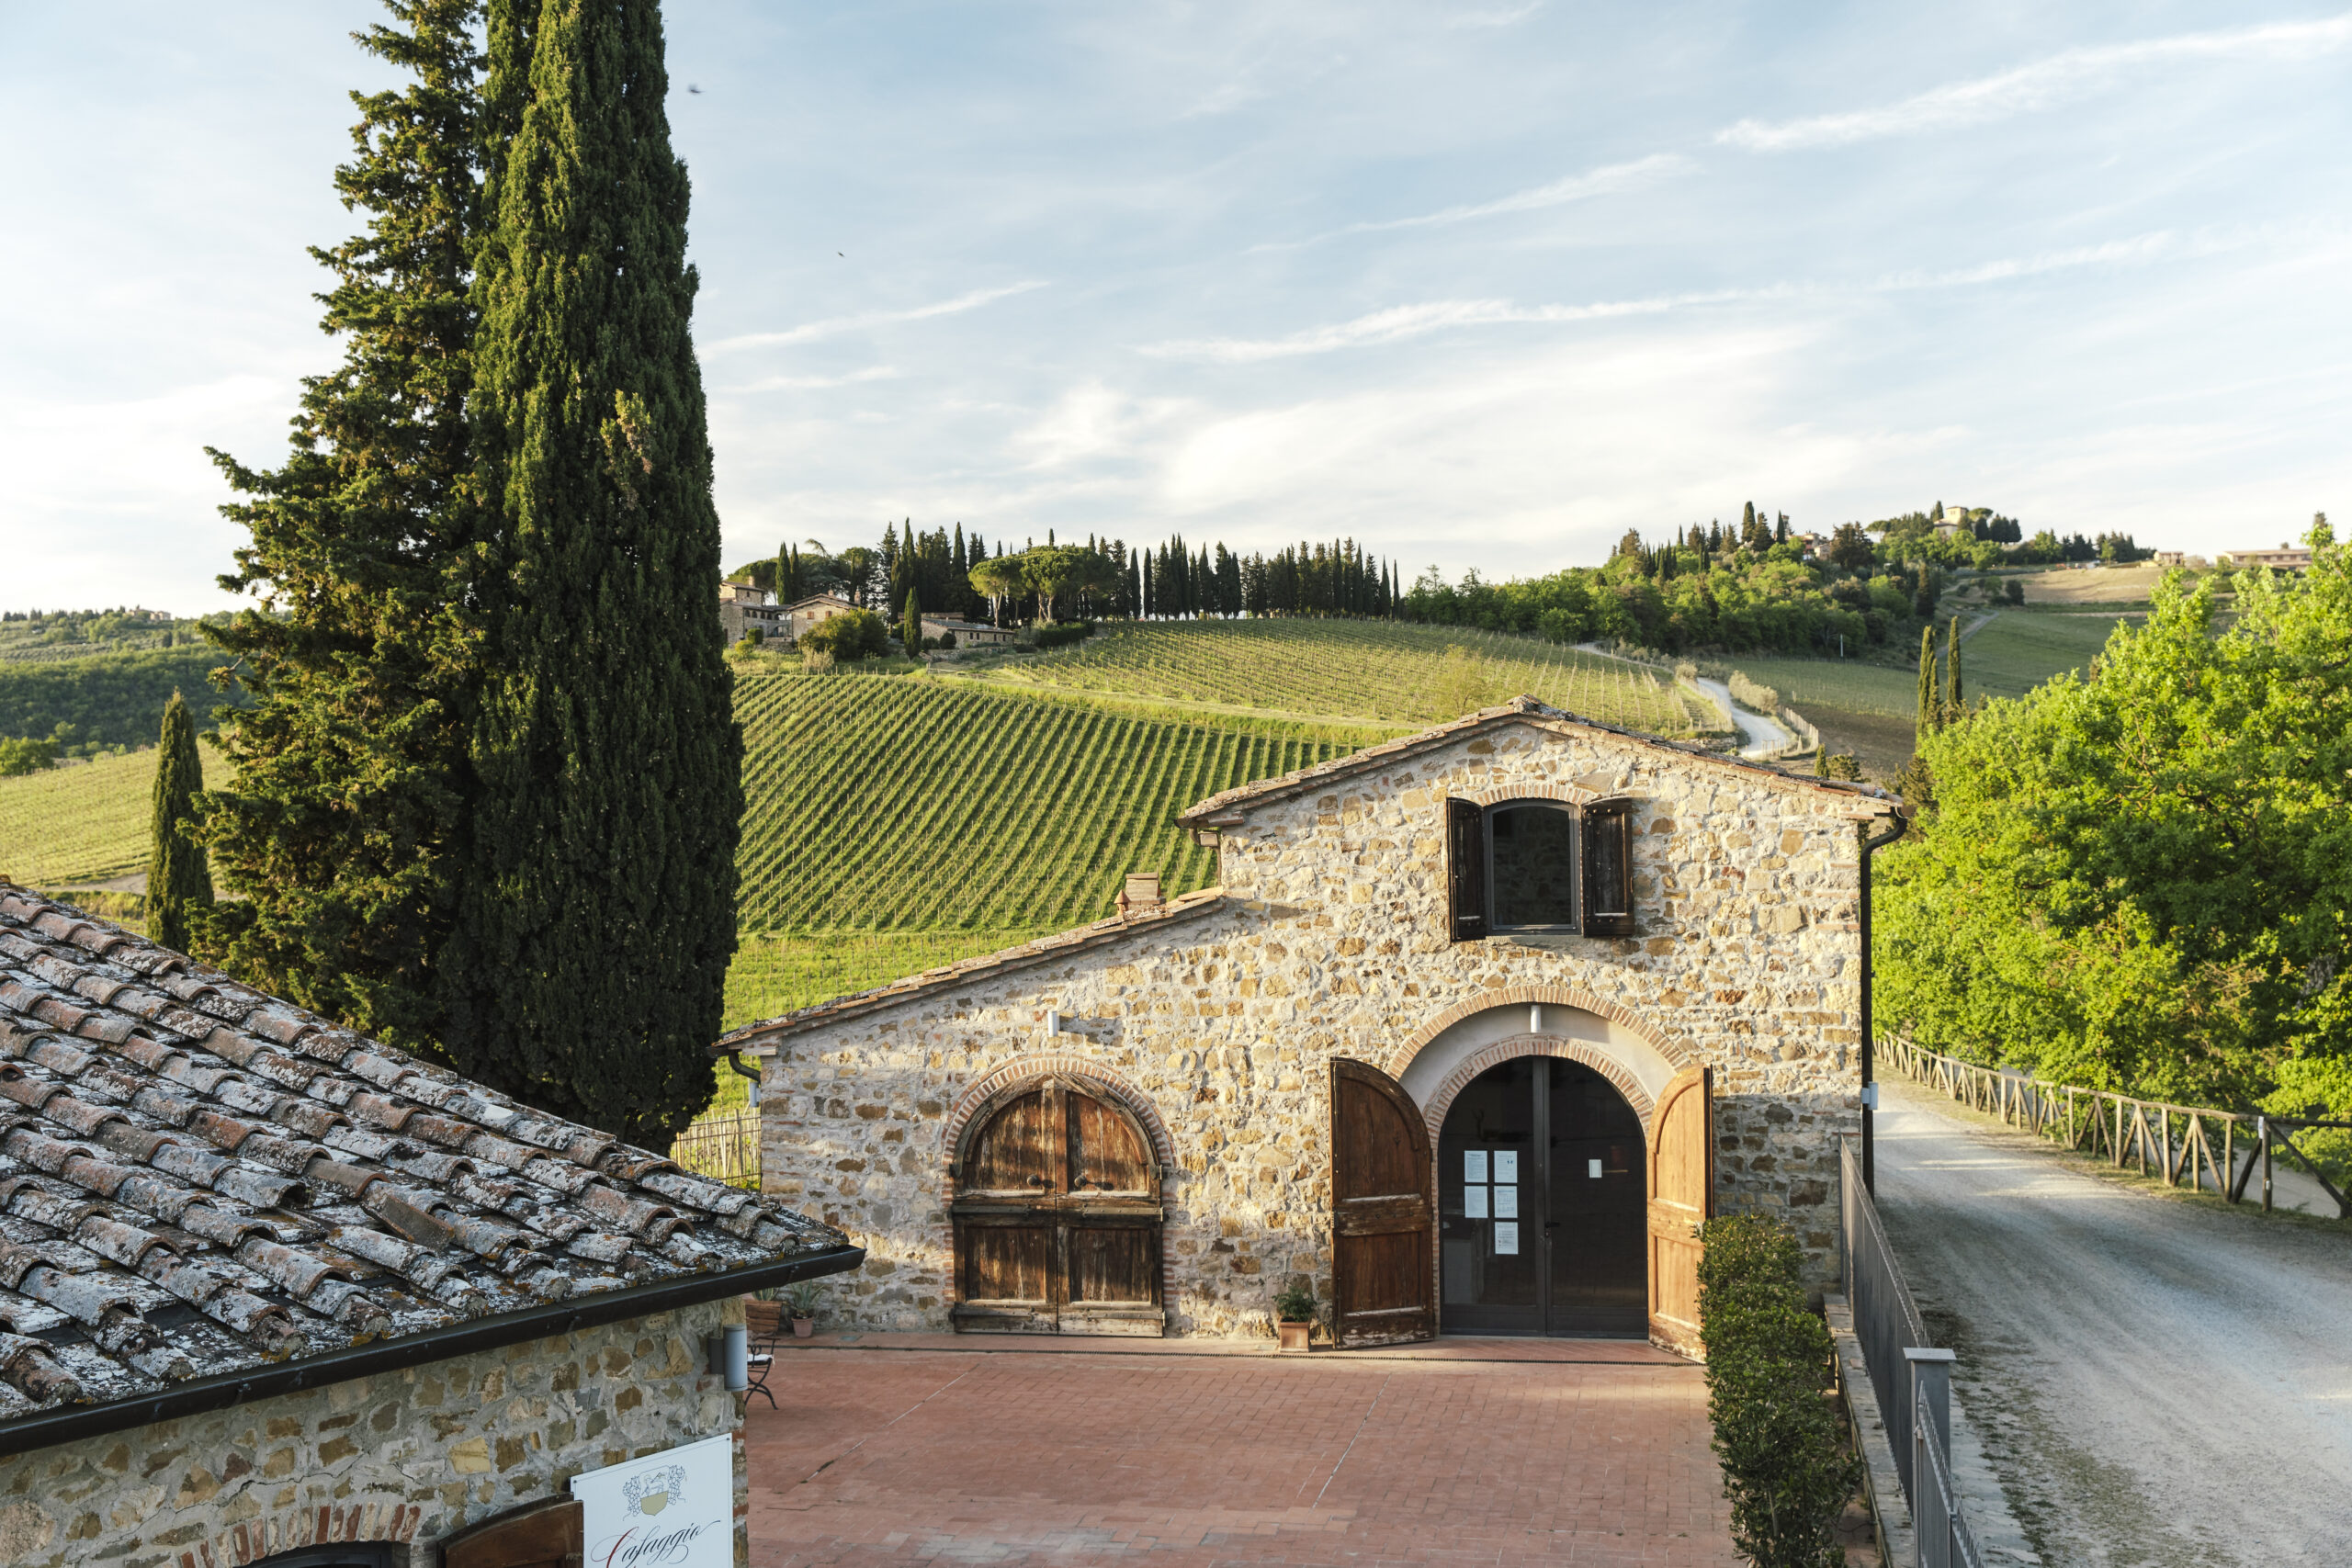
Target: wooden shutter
x=1609 y=868
x=1058 y=1219
x=1682 y=1190
x=1465 y=869
x=540 y=1535
x=1382 y=1240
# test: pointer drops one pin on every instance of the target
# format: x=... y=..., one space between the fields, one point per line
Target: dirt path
x=2154 y=1382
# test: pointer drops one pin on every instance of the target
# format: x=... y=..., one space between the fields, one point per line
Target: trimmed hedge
x=1787 y=1467
x=1062 y=635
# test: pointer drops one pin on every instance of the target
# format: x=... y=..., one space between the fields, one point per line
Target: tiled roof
x=196 y=1179
x=1044 y=950
x=1519 y=710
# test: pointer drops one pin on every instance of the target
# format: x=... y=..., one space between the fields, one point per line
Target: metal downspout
x=1869 y=1162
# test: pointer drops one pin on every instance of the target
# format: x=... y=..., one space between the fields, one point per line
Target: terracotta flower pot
x=803 y=1327
x=1292 y=1335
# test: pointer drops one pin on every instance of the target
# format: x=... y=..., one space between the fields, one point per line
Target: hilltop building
x=274 y=1292
x=802 y=614
x=743 y=608
x=969 y=633
x=1473 y=1028
x=2286 y=558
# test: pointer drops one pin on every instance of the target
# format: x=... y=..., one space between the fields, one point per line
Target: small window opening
x=1533 y=879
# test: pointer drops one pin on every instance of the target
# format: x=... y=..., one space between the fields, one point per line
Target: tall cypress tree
x=911 y=629
x=1926 y=724
x=338 y=830
x=177 y=878
x=1953 y=705
x=598 y=913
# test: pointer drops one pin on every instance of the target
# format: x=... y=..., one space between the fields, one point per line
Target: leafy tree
x=1000 y=578
x=597 y=915
x=2140 y=878
x=851 y=635
x=179 y=883
x=854 y=572
x=1051 y=571
x=19 y=758
x=339 y=834
x=1851 y=548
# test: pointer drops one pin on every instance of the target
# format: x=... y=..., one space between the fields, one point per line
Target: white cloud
x=808 y=331
x=1401 y=321
x=813 y=383
x=2035 y=86
x=1091 y=421
x=1605 y=181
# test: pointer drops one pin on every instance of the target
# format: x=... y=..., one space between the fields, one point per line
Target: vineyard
x=77 y=826
x=1380 y=669
x=899 y=804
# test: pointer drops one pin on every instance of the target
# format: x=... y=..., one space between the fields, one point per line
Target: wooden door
x=1682 y=1190
x=1381 y=1236
x=539 y=1535
x=1058 y=1218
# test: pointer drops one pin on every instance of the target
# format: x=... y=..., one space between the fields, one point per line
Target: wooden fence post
x=2264 y=1124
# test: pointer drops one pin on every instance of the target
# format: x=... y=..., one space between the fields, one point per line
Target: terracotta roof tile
x=170 y=1139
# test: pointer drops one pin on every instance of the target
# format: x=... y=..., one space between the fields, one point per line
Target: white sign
x=1505 y=1203
x=673 y=1509
x=1507 y=1238
x=1474 y=1202
x=1506 y=1165
x=1474 y=1164
x=1592 y=1168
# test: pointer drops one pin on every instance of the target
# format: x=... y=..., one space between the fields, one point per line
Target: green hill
x=110 y=699
x=77 y=826
x=1386 y=671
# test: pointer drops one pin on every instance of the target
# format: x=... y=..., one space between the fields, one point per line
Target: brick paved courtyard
x=948 y=1455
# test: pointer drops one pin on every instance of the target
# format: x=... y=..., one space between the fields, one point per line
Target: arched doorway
x=1542 y=1211
x=1057 y=1216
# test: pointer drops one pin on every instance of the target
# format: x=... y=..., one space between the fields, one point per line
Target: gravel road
x=2153 y=1382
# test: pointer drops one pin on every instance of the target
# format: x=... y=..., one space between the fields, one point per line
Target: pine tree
x=1927 y=723
x=1953 y=707
x=597 y=915
x=339 y=834
x=178 y=881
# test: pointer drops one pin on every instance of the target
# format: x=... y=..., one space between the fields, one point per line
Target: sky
x=1480 y=285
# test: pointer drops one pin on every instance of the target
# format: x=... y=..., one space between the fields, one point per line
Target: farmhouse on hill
x=968 y=634
x=273 y=1292
x=803 y=614
x=1473 y=1028
x=743 y=608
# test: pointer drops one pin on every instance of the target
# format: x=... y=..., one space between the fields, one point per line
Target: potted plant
x=1293 y=1316
x=762 y=1315
x=803 y=1299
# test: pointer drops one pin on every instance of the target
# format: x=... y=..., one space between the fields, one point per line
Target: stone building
x=745 y=608
x=1473 y=1027
x=273 y=1292
x=969 y=633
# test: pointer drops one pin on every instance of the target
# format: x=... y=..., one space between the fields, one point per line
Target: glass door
x=1539 y=1204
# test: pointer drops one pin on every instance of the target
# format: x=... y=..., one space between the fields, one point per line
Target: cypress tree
x=177 y=878
x=910 y=630
x=1927 y=722
x=1953 y=705
x=339 y=829
x=598 y=914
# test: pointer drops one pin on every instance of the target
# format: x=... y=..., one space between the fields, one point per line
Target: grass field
x=1375 y=670
x=899 y=804
x=79 y=825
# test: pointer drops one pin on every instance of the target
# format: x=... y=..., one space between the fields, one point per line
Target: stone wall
x=1334 y=942
x=409 y=1457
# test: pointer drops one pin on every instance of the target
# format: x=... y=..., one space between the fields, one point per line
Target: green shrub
x=26 y=756
x=1786 y=1467
x=1062 y=637
x=1294 y=1304
x=853 y=634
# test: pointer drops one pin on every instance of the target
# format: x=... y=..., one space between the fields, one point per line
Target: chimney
x=1141 y=895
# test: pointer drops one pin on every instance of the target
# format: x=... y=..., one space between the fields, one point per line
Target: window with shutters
x=1540 y=867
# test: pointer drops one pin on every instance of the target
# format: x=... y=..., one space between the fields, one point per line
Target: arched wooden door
x=1683 y=1187
x=1056 y=1217
x=1381 y=1229
x=546 y=1534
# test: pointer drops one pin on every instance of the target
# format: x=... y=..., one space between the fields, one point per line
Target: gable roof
x=820 y=598
x=206 y=1192
x=1010 y=960
x=1227 y=807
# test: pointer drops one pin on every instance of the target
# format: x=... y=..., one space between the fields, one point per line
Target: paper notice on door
x=1505 y=1203
x=1505 y=1238
x=1474 y=1164
x=1474 y=1202
x=1592 y=1168
x=1506 y=1165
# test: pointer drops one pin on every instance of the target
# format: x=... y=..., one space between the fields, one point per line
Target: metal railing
x=724 y=1144
x=1910 y=1376
x=2191 y=1145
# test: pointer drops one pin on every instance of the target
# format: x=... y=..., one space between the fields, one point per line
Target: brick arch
x=1024 y=1070
x=296 y=1529
x=1571 y=794
x=1668 y=1046
x=1584 y=1051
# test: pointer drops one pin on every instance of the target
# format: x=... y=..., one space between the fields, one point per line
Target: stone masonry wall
x=410 y=1456
x=1334 y=942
